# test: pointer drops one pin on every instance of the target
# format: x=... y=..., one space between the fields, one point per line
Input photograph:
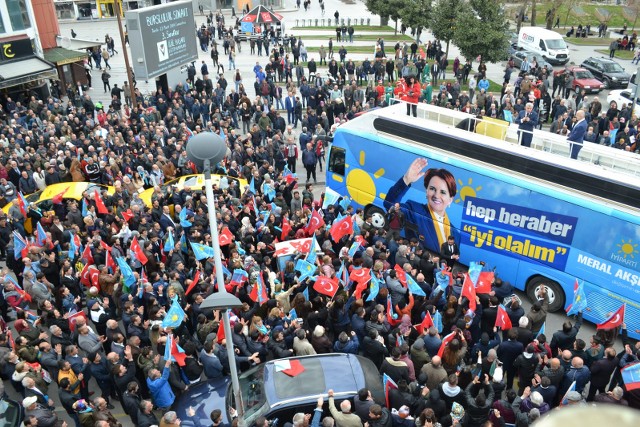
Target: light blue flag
x=18 y=245
x=183 y=218
x=353 y=249
x=312 y=256
x=356 y=227
x=268 y=191
x=374 y=288
x=565 y=399
x=306 y=293
x=542 y=329
x=437 y=321
x=201 y=251
x=305 y=268
x=72 y=248
x=252 y=185
x=183 y=244
x=225 y=270
x=170 y=243
x=345 y=202
x=240 y=249
x=42 y=235
x=414 y=287
x=507 y=115
x=85 y=211
x=442 y=280
x=330 y=198
x=174 y=316
x=127 y=272
x=579 y=301
x=167 y=349
x=293 y=315
x=475 y=268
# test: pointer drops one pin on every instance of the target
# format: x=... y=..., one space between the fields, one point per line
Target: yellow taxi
x=72 y=191
x=195 y=182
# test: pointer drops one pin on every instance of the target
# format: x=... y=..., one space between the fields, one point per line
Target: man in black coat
x=601 y=372
x=373 y=347
x=131 y=401
x=563 y=340
x=508 y=352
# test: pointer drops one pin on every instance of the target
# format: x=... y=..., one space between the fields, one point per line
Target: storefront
x=95 y=9
x=69 y=64
x=22 y=73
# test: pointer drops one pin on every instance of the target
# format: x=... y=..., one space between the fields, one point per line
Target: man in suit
x=290 y=105
x=166 y=220
x=450 y=252
x=435 y=71
x=527 y=120
x=576 y=136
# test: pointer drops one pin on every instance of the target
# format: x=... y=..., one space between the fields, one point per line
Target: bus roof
x=600 y=171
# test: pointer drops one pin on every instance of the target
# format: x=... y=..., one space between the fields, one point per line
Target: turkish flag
x=57 y=199
x=469 y=291
x=502 y=319
x=110 y=262
x=137 y=251
x=196 y=279
x=427 y=322
x=102 y=209
x=326 y=286
x=225 y=237
x=177 y=354
x=341 y=228
x=24 y=295
x=360 y=287
x=104 y=246
x=360 y=275
x=446 y=340
x=316 y=221
x=390 y=313
x=484 y=282
x=614 y=321
x=87 y=255
x=220 y=335
x=286 y=228
x=72 y=319
x=89 y=275
x=127 y=215
x=401 y=275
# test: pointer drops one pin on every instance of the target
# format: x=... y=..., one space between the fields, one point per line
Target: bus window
x=336 y=160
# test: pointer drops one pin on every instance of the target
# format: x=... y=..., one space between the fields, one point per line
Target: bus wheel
x=377 y=216
x=554 y=290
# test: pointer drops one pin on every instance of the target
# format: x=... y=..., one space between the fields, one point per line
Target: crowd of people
x=88 y=283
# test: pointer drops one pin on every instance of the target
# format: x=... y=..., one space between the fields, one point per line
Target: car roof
x=340 y=372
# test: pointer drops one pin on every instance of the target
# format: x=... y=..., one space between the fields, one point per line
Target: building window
x=2 y=29
x=18 y=14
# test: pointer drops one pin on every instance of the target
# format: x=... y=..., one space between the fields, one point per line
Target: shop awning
x=62 y=56
x=17 y=72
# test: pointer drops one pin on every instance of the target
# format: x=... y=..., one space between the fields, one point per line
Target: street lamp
x=205 y=150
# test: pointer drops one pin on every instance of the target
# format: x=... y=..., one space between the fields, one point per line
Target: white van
x=546 y=43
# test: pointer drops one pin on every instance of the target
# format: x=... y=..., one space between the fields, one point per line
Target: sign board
x=16 y=49
x=161 y=38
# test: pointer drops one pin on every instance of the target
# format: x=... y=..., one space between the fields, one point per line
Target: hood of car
x=619 y=75
x=588 y=82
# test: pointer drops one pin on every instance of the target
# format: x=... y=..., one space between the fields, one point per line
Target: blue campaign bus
x=537 y=216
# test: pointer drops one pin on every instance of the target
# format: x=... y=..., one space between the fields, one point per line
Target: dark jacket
x=396 y=369
x=478 y=414
x=601 y=371
x=374 y=350
x=564 y=340
x=508 y=352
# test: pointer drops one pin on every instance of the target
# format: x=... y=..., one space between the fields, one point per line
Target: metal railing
x=601 y=156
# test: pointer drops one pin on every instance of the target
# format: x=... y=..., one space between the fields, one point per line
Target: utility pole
x=124 y=52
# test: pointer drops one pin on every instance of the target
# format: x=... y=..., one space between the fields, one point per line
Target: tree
x=482 y=30
x=444 y=19
x=416 y=14
x=554 y=8
x=386 y=9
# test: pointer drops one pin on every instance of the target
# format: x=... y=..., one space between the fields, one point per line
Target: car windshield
x=613 y=68
x=584 y=75
x=253 y=396
x=556 y=44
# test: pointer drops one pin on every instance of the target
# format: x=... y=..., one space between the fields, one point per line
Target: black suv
x=609 y=72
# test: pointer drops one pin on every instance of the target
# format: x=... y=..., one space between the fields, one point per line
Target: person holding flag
x=564 y=338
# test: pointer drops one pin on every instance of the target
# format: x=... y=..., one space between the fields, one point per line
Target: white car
x=623 y=96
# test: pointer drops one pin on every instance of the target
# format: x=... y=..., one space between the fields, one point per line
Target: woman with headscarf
x=405 y=332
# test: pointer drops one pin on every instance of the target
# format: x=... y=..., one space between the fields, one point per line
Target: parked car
x=269 y=392
x=608 y=71
x=623 y=97
x=582 y=79
x=519 y=55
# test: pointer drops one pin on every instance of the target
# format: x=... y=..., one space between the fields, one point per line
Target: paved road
x=96 y=30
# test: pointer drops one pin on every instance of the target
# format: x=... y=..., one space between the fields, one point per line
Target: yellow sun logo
x=627 y=248
x=467 y=190
x=361 y=184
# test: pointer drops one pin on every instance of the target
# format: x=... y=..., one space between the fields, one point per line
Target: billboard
x=161 y=38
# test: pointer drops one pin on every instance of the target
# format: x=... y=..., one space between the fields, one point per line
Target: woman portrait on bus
x=431 y=218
